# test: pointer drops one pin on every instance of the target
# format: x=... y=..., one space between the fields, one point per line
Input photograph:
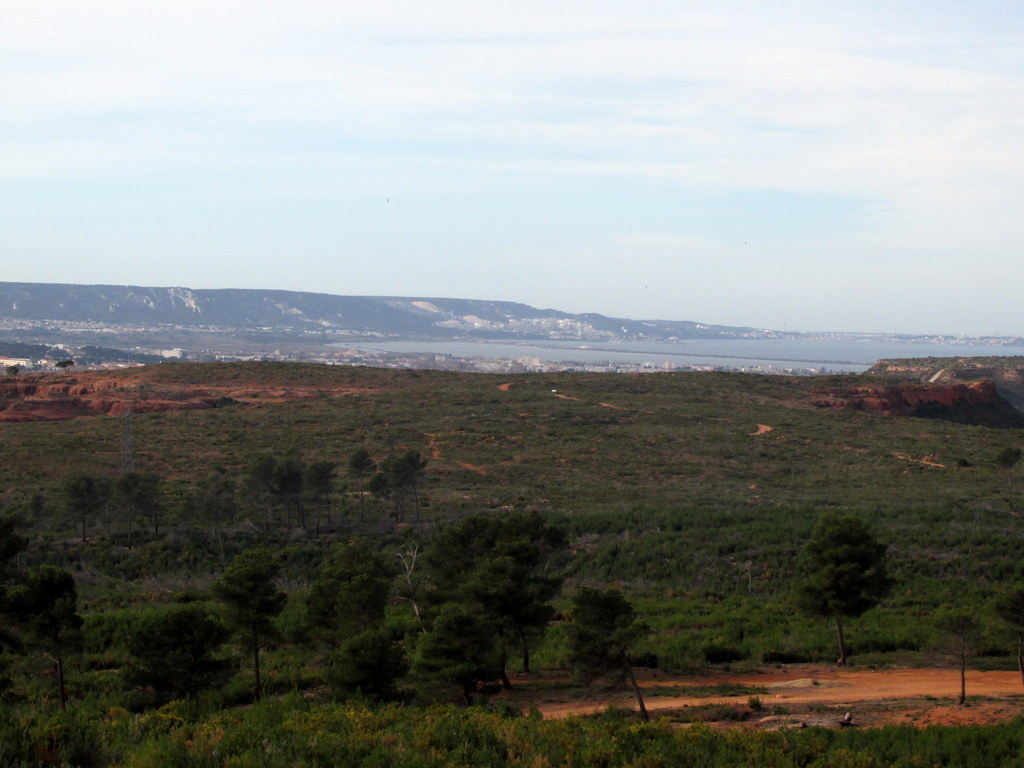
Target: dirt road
x=808 y=693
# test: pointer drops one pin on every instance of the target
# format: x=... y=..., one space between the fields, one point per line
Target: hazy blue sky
x=797 y=165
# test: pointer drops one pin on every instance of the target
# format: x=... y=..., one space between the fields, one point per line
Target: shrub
x=785 y=657
x=721 y=654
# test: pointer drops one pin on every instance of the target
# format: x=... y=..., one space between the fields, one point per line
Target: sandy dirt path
x=804 y=686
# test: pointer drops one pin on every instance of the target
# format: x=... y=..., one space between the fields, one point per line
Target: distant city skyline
x=794 y=166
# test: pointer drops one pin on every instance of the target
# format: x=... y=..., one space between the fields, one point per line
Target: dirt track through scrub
x=804 y=692
x=928 y=461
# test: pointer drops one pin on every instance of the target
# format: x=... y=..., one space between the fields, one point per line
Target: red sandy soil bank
x=53 y=398
x=901 y=399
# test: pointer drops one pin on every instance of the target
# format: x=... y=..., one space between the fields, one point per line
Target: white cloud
x=913 y=107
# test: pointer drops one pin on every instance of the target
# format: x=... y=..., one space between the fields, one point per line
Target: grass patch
x=711 y=713
x=703 y=691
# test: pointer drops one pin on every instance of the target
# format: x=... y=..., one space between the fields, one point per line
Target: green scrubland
x=397 y=510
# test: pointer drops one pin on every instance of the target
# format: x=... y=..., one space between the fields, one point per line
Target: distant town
x=54 y=326
x=40 y=346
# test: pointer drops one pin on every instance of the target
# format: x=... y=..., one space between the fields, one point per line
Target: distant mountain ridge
x=240 y=308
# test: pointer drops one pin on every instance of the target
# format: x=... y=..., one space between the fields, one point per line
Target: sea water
x=854 y=355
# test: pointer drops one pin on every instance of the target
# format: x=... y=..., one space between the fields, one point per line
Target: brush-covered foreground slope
x=693 y=492
x=732 y=469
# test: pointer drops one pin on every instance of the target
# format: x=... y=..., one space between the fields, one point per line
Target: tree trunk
x=963 y=680
x=258 y=689
x=223 y=557
x=636 y=691
x=505 y=682
x=1020 y=656
x=526 y=650
x=842 y=642
x=61 y=686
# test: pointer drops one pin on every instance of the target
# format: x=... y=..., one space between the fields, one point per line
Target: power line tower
x=127 y=456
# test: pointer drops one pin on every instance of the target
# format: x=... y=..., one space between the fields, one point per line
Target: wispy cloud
x=907 y=111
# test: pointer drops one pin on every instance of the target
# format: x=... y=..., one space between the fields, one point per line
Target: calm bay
x=853 y=355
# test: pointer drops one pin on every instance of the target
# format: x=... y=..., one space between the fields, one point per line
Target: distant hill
x=17 y=349
x=355 y=315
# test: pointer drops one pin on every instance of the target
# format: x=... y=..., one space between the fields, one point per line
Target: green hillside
x=607 y=454
x=692 y=493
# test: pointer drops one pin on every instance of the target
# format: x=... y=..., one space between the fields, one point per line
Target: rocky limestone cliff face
x=972 y=402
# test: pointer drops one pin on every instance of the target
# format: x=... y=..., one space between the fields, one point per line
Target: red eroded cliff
x=52 y=397
x=975 y=401
x=26 y=399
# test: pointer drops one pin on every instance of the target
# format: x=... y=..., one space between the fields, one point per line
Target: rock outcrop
x=1007 y=373
x=55 y=397
x=28 y=399
x=971 y=402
